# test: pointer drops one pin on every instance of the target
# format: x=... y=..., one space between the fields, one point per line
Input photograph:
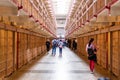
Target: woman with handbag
x=91 y=50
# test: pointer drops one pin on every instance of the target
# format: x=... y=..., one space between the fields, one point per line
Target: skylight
x=61 y=7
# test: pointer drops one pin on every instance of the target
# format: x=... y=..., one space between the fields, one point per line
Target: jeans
x=60 y=50
x=53 y=50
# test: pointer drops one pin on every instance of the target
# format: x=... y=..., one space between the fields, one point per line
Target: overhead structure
x=87 y=15
x=32 y=15
x=61 y=10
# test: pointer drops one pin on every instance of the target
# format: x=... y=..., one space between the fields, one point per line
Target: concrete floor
x=67 y=67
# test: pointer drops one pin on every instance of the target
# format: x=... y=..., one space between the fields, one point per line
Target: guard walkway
x=67 y=67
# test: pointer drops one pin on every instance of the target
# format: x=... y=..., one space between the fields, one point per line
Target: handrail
x=45 y=11
x=97 y=12
x=83 y=8
x=36 y=10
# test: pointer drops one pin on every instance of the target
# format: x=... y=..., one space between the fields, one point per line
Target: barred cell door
x=115 y=52
x=6 y=53
x=9 y=52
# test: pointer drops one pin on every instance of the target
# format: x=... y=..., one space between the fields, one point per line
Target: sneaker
x=54 y=54
x=60 y=54
x=92 y=72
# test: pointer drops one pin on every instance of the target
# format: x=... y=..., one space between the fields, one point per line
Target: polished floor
x=66 y=67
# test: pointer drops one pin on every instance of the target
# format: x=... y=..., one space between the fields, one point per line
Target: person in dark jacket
x=69 y=43
x=74 y=45
x=48 y=45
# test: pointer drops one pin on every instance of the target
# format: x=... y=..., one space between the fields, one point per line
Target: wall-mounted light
x=109 y=10
x=88 y=20
x=95 y=15
x=83 y=24
x=40 y=23
x=36 y=21
x=30 y=16
x=19 y=8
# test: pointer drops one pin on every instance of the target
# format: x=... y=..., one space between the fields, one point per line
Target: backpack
x=54 y=43
x=60 y=44
x=91 y=54
x=90 y=50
